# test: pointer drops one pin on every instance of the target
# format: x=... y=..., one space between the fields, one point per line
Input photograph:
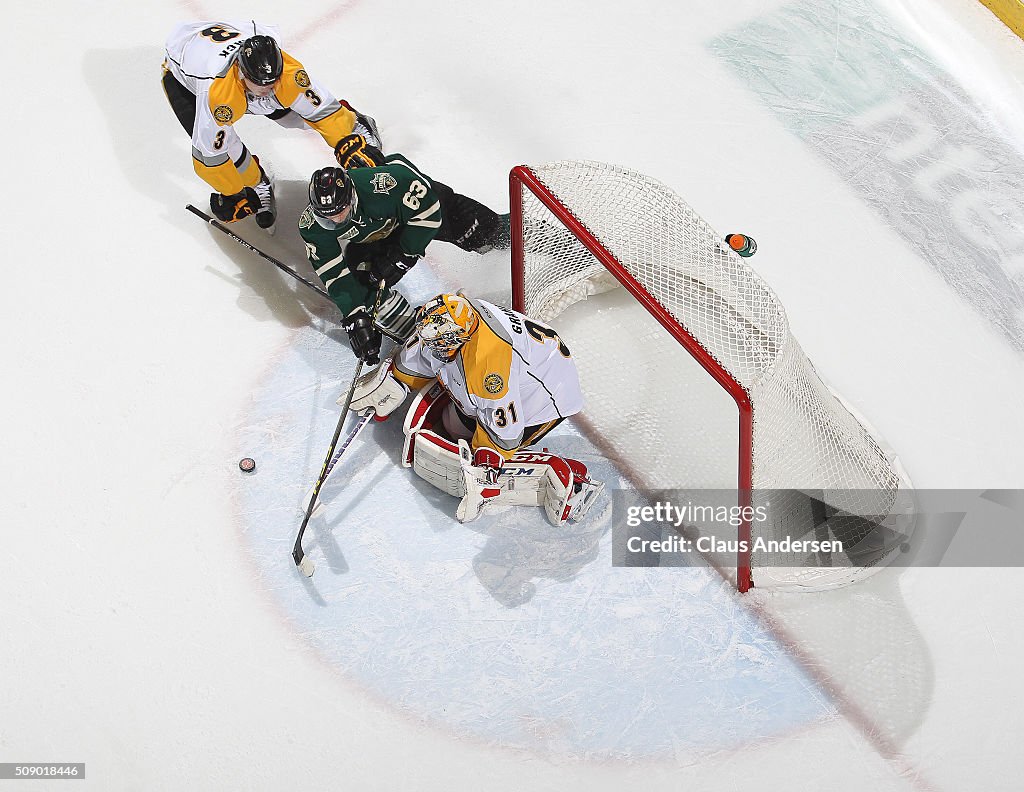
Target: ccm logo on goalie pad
x=558 y=465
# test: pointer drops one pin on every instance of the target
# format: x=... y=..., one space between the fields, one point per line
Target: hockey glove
x=353 y=151
x=363 y=336
x=391 y=271
x=230 y=208
x=379 y=390
x=488 y=463
x=480 y=482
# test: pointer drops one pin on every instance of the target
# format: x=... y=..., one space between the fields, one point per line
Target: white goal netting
x=654 y=408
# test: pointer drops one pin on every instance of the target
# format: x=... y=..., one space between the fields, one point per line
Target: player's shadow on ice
x=519 y=551
x=523 y=546
x=154 y=153
x=266 y=292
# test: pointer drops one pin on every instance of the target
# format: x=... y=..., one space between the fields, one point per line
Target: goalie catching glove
x=238 y=206
x=480 y=475
x=380 y=391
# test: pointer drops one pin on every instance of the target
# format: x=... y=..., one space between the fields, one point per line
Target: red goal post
x=574 y=222
x=523 y=177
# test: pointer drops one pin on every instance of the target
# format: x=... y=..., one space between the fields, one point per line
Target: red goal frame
x=522 y=177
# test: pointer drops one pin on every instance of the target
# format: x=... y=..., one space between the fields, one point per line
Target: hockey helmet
x=330 y=191
x=260 y=60
x=445 y=323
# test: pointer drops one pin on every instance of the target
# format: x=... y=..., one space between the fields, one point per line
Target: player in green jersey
x=371 y=221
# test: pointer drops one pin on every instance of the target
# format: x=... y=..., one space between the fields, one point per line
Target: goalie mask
x=445 y=323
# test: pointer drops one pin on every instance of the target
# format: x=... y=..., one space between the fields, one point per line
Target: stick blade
x=301 y=559
x=306 y=566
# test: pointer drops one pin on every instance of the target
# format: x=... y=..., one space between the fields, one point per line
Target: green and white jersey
x=394 y=200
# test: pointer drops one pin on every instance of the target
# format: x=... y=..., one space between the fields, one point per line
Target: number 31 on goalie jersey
x=504 y=416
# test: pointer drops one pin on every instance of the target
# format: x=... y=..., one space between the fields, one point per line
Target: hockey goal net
x=692 y=378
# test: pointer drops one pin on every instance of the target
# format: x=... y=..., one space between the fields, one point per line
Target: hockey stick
x=364 y=419
x=283 y=267
x=298 y=556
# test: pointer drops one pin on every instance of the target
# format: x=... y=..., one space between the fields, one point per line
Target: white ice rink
x=153 y=625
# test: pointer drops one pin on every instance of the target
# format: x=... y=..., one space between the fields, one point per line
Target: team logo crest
x=302 y=79
x=223 y=114
x=383 y=183
x=493 y=383
x=306 y=220
x=351 y=233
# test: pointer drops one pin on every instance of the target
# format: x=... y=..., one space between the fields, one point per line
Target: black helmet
x=260 y=60
x=330 y=191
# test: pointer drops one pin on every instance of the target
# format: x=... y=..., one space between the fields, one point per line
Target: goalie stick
x=283 y=267
x=364 y=419
x=298 y=556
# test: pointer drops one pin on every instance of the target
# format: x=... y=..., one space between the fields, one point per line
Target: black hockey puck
x=247 y=465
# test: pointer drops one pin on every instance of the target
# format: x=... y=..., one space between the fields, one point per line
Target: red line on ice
x=325 y=20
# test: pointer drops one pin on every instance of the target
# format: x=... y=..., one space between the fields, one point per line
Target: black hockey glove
x=353 y=151
x=230 y=208
x=363 y=336
x=390 y=271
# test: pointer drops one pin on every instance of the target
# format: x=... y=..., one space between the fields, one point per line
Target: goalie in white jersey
x=491 y=382
x=216 y=72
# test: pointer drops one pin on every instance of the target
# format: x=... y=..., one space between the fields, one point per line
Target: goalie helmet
x=445 y=323
x=330 y=191
x=260 y=60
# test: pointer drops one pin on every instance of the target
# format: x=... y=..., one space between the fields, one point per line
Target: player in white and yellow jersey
x=216 y=72
x=505 y=381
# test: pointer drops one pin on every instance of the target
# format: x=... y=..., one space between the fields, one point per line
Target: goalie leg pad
x=560 y=486
x=423 y=413
x=563 y=487
x=437 y=461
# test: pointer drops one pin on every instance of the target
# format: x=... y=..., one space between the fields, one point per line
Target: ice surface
x=154 y=626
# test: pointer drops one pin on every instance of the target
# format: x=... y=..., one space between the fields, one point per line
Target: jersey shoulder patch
x=494 y=384
x=227 y=98
x=383 y=182
x=306 y=219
